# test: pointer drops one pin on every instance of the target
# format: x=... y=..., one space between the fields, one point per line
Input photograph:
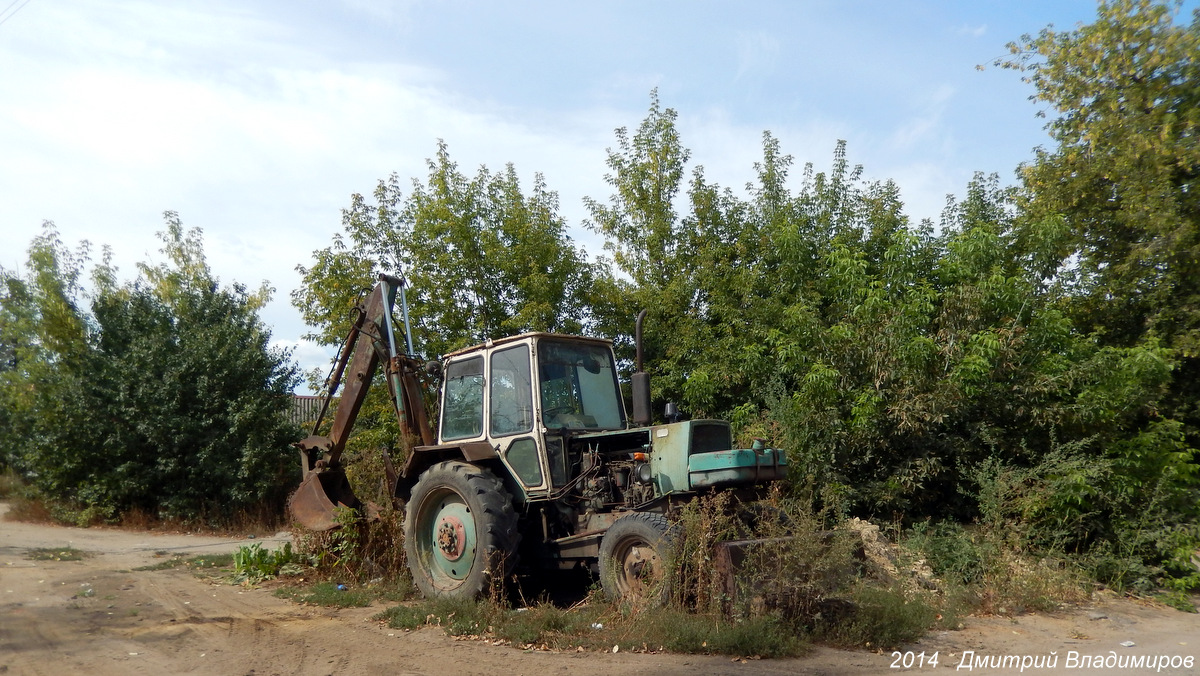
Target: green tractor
x=534 y=458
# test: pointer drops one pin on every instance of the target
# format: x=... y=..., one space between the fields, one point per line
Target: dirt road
x=100 y=616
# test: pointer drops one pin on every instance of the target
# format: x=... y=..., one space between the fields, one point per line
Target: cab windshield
x=579 y=386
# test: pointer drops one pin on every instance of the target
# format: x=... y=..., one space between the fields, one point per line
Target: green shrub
x=253 y=563
x=179 y=368
x=882 y=618
x=949 y=550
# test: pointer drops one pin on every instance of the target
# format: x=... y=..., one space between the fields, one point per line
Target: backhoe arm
x=370 y=341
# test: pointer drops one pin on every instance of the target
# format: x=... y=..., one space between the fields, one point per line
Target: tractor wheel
x=460 y=531
x=634 y=555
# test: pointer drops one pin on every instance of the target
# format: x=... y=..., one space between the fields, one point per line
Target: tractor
x=535 y=457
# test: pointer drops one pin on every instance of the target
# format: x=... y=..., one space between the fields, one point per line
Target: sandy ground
x=99 y=616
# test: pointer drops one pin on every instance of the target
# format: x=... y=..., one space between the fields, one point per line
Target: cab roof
x=534 y=334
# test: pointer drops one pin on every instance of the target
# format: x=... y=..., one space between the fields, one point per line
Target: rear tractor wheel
x=460 y=531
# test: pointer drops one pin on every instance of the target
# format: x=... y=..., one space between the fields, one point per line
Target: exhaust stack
x=640 y=382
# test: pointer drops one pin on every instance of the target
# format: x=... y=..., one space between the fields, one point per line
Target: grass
x=57 y=554
x=816 y=579
x=204 y=563
x=986 y=572
x=10 y=484
x=883 y=618
x=334 y=595
x=805 y=584
x=599 y=626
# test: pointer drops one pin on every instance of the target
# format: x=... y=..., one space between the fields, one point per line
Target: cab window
x=579 y=387
x=462 y=410
x=510 y=408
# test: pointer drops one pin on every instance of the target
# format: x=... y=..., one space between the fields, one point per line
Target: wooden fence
x=305 y=408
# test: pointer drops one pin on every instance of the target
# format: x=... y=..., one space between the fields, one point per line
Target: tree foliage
x=1116 y=198
x=892 y=359
x=1121 y=183
x=482 y=259
x=1123 y=173
x=164 y=397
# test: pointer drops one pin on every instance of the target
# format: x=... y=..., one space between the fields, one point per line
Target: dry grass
x=28 y=510
x=28 y=506
x=805 y=572
x=1014 y=583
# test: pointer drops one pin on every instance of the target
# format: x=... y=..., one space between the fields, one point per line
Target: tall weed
x=359 y=549
x=793 y=572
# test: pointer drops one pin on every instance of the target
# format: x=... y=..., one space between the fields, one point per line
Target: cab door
x=511 y=417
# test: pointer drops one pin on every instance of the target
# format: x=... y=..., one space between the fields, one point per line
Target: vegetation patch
x=58 y=554
x=359 y=550
x=254 y=563
x=204 y=563
x=330 y=595
x=10 y=484
x=598 y=626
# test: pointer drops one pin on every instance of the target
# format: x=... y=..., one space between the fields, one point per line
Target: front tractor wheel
x=634 y=555
x=460 y=531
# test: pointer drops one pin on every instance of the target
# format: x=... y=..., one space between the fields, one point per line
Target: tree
x=1114 y=208
x=700 y=276
x=166 y=397
x=1124 y=178
x=482 y=259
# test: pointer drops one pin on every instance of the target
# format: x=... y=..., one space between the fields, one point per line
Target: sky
x=257 y=120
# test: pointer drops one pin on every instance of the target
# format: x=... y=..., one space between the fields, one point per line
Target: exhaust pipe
x=640 y=382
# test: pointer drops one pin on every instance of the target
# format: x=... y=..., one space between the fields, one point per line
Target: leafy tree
x=166 y=397
x=44 y=336
x=700 y=276
x=1123 y=176
x=887 y=359
x=482 y=259
x=1114 y=206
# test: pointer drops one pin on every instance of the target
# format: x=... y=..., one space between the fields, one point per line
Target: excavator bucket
x=314 y=502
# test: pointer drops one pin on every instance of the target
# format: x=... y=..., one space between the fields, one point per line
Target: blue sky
x=257 y=120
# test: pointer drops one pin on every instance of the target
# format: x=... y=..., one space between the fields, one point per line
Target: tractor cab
x=531 y=392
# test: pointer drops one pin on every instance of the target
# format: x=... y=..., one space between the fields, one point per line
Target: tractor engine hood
x=694 y=455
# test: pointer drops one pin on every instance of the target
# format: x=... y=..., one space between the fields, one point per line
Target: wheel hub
x=640 y=566
x=451 y=537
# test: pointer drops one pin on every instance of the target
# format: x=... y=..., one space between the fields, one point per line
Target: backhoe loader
x=535 y=457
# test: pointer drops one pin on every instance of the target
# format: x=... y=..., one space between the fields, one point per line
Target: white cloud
x=261 y=154
x=394 y=13
x=926 y=126
x=972 y=31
